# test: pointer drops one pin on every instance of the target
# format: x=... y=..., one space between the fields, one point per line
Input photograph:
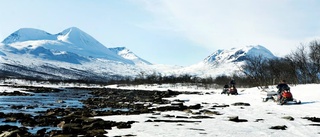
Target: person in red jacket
x=281 y=87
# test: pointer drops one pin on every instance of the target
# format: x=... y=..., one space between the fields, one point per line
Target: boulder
x=283 y=127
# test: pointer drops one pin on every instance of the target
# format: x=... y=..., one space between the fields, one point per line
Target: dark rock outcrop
x=240 y=104
x=283 y=127
x=236 y=119
x=313 y=119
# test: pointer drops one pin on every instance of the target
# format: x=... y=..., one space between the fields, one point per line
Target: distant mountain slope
x=127 y=54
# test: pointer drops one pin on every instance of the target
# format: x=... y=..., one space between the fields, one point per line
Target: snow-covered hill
x=225 y=62
x=127 y=54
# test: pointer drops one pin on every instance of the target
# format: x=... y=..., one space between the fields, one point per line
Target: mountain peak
x=238 y=54
x=26 y=34
x=74 y=34
x=71 y=29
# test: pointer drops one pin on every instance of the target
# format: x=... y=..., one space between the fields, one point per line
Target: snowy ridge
x=127 y=54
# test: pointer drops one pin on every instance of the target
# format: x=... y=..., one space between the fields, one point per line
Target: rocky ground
x=79 y=121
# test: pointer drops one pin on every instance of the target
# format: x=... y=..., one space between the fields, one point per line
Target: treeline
x=301 y=66
x=186 y=79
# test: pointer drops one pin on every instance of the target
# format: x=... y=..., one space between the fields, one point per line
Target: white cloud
x=232 y=23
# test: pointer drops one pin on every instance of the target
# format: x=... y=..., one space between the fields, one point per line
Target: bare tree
x=315 y=58
x=256 y=69
x=280 y=69
x=304 y=69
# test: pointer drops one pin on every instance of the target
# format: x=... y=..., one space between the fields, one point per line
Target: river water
x=41 y=102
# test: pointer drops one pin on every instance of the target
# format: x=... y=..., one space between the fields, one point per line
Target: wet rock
x=96 y=133
x=17 y=107
x=196 y=113
x=72 y=128
x=314 y=124
x=236 y=119
x=61 y=124
x=60 y=101
x=10 y=119
x=258 y=120
x=220 y=106
x=178 y=100
x=130 y=135
x=42 y=132
x=182 y=117
x=188 y=111
x=170 y=93
x=46 y=120
x=10 y=133
x=209 y=112
x=122 y=125
x=99 y=124
x=13 y=131
x=288 y=118
x=15 y=93
x=149 y=120
x=201 y=117
x=170 y=108
x=2 y=115
x=30 y=107
x=169 y=116
x=240 y=104
x=18 y=116
x=197 y=106
x=313 y=119
x=173 y=121
x=283 y=127
x=197 y=129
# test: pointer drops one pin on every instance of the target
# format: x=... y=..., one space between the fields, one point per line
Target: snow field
x=260 y=115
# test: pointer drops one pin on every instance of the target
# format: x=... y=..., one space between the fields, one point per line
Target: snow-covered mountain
x=71 y=43
x=237 y=54
x=225 y=62
x=70 y=54
x=74 y=54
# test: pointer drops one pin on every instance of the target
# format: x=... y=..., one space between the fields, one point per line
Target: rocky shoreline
x=80 y=121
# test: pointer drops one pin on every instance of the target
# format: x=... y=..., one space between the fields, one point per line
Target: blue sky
x=175 y=32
